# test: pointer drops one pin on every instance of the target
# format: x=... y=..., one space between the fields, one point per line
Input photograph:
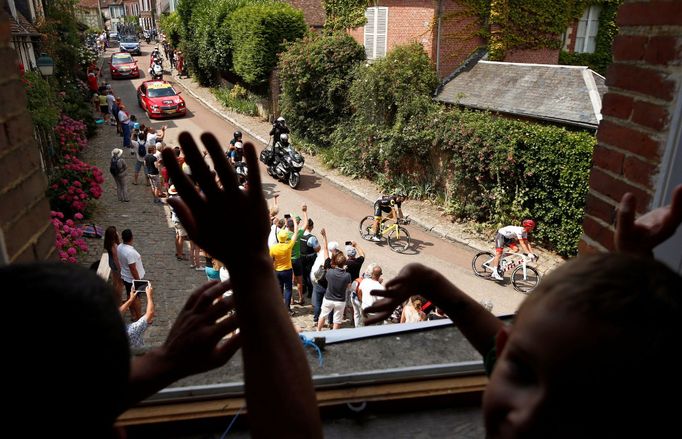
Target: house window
x=588 y=27
x=375 y=32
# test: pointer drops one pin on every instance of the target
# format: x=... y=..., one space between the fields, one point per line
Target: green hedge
x=171 y=26
x=259 y=33
x=315 y=73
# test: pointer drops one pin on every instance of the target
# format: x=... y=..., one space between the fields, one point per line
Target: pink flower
x=73 y=260
x=78 y=216
x=72 y=251
x=63 y=255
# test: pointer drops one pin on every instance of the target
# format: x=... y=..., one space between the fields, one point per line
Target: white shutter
x=370 y=32
x=588 y=27
x=381 y=32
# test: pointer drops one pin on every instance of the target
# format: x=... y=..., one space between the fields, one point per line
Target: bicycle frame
x=508 y=262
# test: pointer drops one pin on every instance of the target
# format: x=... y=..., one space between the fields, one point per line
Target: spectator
x=296 y=264
x=124 y=120
x=588 y=328
x=131 y=269
x=118 y=169
x=412 y=311
x=355 y=258
x=373 y=283
x=136 y=329
x=309 y=248
x=334 y=300
x=111 y=101
x=180 y=232
x=140 y=148
x=319 y=273
x=153 y=174
x=281 y=257
x=111 y=242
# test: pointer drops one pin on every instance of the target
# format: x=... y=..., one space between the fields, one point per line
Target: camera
x=287 y=216
x=349 y=242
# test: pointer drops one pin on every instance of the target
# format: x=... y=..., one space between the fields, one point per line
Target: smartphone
x=140 y=285
x=349 y=242
x=287 y=216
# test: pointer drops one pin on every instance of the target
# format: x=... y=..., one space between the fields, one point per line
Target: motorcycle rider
x=278 y=128
x=278 y=150
x=236 y=137
x=237 y=154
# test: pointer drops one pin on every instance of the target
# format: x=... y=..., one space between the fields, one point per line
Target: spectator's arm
x=268 y=337
x=133 y=271
x=151 y=309
x=125 y=305
x=361 y=252
x=304 y=208
x=325 y=244
x=477 y=324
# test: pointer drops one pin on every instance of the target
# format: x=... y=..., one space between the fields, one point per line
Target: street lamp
x=45 y=64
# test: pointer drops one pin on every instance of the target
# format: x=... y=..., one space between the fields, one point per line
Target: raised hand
x=649 y=230
x=194 y=342
x=413 y=279
x=226 y=222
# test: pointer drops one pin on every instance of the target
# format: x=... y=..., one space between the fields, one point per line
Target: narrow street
x=334 y=208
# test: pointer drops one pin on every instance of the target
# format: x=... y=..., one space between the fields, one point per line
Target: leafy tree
x=171 y=25
x=259 y=33
x=315 y=73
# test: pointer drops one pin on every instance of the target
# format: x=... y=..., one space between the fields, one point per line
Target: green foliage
x=259 y=33
x=602 y=56
x=385 y=89
x=41 y=101
x=315 y=73
x=237 y=99
x=477 y=166
x=171 y=26
x=342 y=15
x=61 y=38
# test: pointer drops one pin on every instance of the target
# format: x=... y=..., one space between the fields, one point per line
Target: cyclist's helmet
x=284 y=138
x=528 y=224
x=237 y=134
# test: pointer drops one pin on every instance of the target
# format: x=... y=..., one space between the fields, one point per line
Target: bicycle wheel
x=525 y=284
x=477 y=264
x=398 y=241
x=366 y=227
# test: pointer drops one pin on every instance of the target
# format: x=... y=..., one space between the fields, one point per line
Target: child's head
x=580 y=359
x=74 y=335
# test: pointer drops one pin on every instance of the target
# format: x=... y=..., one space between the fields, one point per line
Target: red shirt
x=92 y=82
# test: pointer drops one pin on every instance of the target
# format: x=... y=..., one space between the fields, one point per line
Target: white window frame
x=373 y=43
x=590 y=21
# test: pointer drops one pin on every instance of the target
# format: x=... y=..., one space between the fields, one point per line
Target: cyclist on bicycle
x=390 y=204
x=508 y=237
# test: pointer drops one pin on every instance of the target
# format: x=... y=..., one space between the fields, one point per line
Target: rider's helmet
x=238 y=145
x=528 y=224
x=280 y=120
x=284 y=138
x=237 y=134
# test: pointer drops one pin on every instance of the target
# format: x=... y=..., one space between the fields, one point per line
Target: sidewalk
x=424 y=214
x=153 y=235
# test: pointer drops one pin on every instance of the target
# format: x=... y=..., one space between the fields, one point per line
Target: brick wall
x=24 y=216
x=459 y=37
x=533 y=56
x=643 y=84
x=313 y=11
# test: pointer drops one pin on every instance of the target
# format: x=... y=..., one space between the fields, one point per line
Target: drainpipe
x=438 y=30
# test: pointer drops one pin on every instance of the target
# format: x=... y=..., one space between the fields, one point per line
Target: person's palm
x=222 y=221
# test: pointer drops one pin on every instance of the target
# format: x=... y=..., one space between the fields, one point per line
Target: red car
x=122 y=65
x=159 y=99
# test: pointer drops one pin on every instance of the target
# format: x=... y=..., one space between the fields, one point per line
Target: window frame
x=371 y=52
x=591 y=19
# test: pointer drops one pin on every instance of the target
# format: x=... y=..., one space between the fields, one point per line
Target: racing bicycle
x=524 y=278
x=397 y=237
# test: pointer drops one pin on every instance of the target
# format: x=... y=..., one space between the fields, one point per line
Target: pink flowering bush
x=74 y=185
x=69 y=241
x=71 y=135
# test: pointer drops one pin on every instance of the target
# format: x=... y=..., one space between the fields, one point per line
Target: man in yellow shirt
x=281 y=256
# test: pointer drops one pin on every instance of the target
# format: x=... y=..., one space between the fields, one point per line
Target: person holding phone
x=131 y=269
x=136 y=329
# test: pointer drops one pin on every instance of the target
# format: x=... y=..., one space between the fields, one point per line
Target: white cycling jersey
x=513 y=232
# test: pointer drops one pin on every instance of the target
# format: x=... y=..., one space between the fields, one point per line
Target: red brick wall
x=313 y=11
x=24 y=211
x=643 y=83
x=533 y=56
x=459 y=37
x=417 y=21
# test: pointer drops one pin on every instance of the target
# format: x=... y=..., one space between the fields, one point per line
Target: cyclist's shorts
x=501 y=242
x=378 y=209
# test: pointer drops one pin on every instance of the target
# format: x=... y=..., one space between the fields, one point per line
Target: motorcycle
x=242 y=172
x=286 y=164
x=156 y=71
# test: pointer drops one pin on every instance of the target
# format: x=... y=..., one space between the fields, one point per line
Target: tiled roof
x=20 y=25
x=568 y=95
x=88 y=4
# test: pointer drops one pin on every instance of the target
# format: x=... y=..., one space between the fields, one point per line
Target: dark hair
x=340 y=260
x=110 y=238
x=310 y=223
x=127 y=235
x=76 y=326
